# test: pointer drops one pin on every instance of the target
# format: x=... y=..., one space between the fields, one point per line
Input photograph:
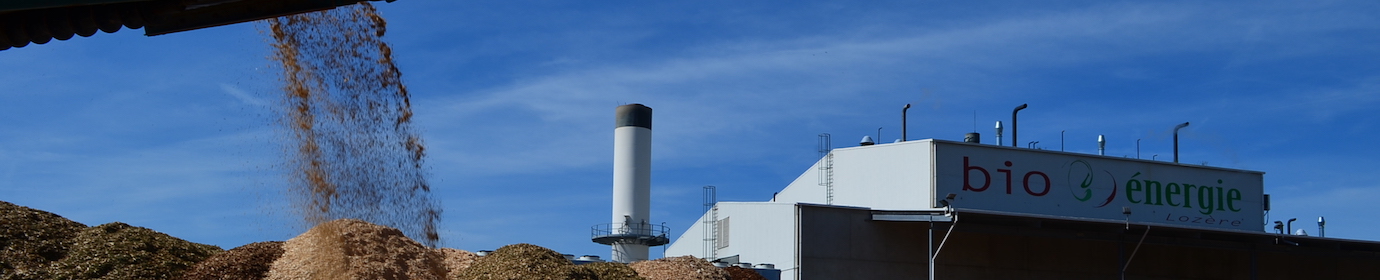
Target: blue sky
x=515 y=102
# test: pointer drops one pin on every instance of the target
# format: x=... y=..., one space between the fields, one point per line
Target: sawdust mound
x=679 y=268
x=739 y=273
x=120 y=251
x=248 y=262
x=456 y=260
x=354 y=249
x=30 y=239
x=523 y=262
x=612 y=271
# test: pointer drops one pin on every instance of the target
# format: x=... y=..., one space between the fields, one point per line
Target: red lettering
x=1008 y=176
x=986 y=177
x=1027 y=183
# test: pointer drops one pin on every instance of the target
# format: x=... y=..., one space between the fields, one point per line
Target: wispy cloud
x=727 y=89
x=243 y=96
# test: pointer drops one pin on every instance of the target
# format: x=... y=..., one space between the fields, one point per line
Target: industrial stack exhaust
x=630 y=233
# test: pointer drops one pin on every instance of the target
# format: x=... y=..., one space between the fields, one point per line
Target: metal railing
x=637 y=233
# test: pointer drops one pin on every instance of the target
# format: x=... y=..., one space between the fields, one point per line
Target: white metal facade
x=905 y=176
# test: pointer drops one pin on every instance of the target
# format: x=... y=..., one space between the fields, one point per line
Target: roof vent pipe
x=998 y=133
x=1176 y=140
x=1321 y=222
x=1101 y=145
x=903 y=123
x=972 y=137
x=1013 y=124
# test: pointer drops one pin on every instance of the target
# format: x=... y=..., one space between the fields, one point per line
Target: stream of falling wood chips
x=354 y=152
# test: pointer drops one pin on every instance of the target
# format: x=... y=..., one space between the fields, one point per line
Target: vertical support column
x=632 y=179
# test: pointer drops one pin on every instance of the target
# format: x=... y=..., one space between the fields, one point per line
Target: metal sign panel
x=1097 y=187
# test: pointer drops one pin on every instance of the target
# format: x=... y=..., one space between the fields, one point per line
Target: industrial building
x=963 y=210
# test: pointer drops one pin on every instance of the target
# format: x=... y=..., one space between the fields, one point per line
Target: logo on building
x=1082 y=180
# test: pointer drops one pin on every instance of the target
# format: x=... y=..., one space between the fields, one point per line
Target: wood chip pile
x=523 y=261
x=248 y=262
x=32 y=239
x=679 y=268
x=354 y=249
x=37 y=245
x=120 y=251
x=457 y=260
x=739 y=273
x=611 y=271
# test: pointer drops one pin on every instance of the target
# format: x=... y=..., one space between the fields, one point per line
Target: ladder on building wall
x=711 y=198
x=826 y=170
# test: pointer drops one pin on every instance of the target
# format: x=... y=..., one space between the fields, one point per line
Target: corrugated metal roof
x=40 y=21
x=20 y=5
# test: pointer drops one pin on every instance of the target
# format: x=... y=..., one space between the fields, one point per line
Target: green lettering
x=1220 y=198
x=1132 y=186
x=1205 y=204
x=1188 y=189
x=1233 y=196
x=1169 y=191
x=1153 y=193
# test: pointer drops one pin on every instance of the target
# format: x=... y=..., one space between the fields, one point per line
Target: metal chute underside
x=40 y=21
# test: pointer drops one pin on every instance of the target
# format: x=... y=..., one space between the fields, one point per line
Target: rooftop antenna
x=1013 y=123
x=1176 y=140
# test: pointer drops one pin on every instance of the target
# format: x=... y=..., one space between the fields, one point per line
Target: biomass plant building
x=979 y=211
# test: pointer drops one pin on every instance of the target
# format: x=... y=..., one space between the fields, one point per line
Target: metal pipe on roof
x=1321 y=222
x=999 y=133
x=1101 y=145
x=1013 y=123
x=1176 y=140
x=903 y=123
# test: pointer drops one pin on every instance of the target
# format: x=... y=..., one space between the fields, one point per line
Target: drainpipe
x=1176 y=140
x=1013 y=124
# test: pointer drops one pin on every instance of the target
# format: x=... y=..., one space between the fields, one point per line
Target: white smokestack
x=632 y=179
